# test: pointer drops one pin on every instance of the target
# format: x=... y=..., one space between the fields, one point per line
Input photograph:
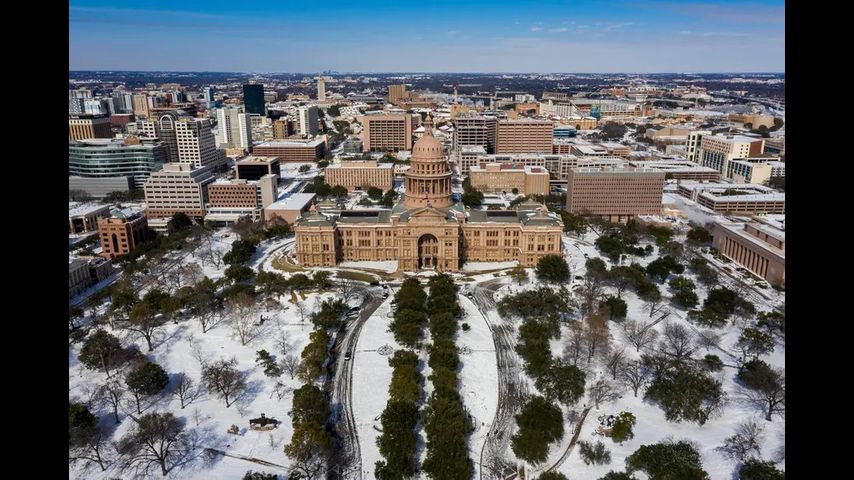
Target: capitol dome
x=427 y=147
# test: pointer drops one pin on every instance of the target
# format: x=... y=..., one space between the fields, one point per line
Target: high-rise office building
x=81 y=127
x=383 y=133
x=253 y=99
x=76 y=106
x=524 y=136
x=187 y=139
x=208 y=95
x=112 y=157
x=140 y=105
x=98 y=106
x=617 y=193
x=235 y=127
x=396 y=93
x=321 y=88
x=475 y=130
x=716 y=151
x=308 y=119
x=177 y=188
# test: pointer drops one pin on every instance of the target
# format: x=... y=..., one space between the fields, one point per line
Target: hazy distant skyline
x=439 y=36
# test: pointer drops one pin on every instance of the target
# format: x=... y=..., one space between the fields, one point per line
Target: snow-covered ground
x=177 y=349
x=479 y=266
x=478 y=374
x=389 y=266
x=371 y=378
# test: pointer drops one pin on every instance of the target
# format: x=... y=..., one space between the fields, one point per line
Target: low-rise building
x=679 y=169
x=361 y=175
x=742 y=171
x=758 y=246
x=231 y=200
x=737 y=199
x=297 y=150
x=254 y=167
x=84 y=126
x=84 y=218
x=179 y=187
x=616 y=193
x=121 y=233
x=504 y=177
x=290 y=208
x=524 y=136
x=84 y=272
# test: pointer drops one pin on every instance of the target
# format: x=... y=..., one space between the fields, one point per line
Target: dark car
x=348 y=355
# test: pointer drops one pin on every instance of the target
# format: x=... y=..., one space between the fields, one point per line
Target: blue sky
x=428 y=36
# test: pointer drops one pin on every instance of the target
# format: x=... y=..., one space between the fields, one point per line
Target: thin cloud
x=713 y=34
x=735 y=13
x=557 y=30
x=535 y=29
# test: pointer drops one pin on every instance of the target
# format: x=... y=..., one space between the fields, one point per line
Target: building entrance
x=428 y=252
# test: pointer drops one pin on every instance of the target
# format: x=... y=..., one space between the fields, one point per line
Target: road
x=572 y=442
x=512 y=385
x=348 y=457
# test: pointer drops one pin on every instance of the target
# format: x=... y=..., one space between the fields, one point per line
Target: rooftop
x=80 y=210
x=295 y=201
x=311 y=142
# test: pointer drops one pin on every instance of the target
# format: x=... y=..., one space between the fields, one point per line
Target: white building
x=235 y=128
x=307 y=118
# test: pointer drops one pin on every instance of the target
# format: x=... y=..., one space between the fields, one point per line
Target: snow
x=371 y=378
x=389 y=266
x=174 y=351
x=478 y=374
x=479 y=266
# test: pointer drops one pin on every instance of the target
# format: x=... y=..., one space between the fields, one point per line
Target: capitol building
x=427 y=230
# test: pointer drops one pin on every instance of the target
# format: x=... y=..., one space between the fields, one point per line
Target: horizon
x=336 y=72
x=478 y=36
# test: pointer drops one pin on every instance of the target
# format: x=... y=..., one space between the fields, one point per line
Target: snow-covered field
x=478 y=374
x=389 y=266
x=371 y=378
x=480 y=266
x=177 y=349
x=180 y=346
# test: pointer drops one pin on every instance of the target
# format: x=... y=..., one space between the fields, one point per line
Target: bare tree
x=603 y=391
x=656 y=305
x=302 y=310
x=708 y=339
x=89 y=447
x=192 y=273
x=143 y=321
x=745 y=443
x=590 y=293
x=615 y=361
x=186 y=389
x=283 y=343
x=156 y=440
x=242 y=310
x=640 y=334
x=678 y=342
x=90 y=395
x=596 y=335
x=209 y=315
x=196 y=350
x=290 y=364
x=172 y=279
x=207 y=249
x=634 y=375
x=112 y=394
x=575 y=343
x=225 y=379
x=768 y=390
x=346 y=288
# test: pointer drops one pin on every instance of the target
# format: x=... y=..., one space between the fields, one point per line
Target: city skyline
x=498 y=36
